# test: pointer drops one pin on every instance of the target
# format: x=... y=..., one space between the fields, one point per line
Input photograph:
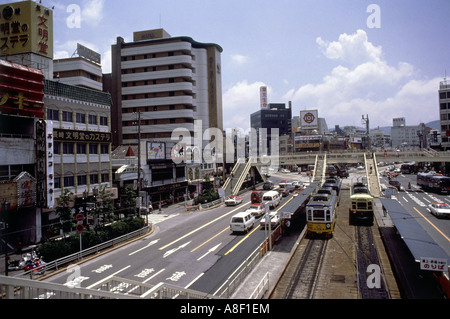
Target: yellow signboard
x=26 y=27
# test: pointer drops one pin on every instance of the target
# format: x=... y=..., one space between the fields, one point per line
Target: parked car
x=257 y=210
x=439 y=209
x=297 y=184
x=233 y=200
x=274 y=220
x=242 y=222
x=343 y=173
x=396 y=184
x=268 y=186
x=283 y=191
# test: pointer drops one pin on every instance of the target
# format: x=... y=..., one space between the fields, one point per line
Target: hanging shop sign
x=21 y=90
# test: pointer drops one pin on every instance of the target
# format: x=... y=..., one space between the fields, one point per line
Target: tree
x=129 y=203
x=105 y=203
x=64 y=210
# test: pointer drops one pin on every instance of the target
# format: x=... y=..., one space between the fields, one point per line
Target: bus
x=408 y=168
x=434 y=182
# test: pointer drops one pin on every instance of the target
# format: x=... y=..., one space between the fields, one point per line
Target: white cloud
x=92 y=12
x=239 y=101
x=353 y=48
x=364 y=83
x=239 y=59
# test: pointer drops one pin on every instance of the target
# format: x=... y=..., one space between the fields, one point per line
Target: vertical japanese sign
x=45 y=164
x=26 y=27
x=263 y=97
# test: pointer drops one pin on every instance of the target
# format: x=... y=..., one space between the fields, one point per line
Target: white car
x=274 y=220
x=257 y=210
x=233 y=200
x=439 y=209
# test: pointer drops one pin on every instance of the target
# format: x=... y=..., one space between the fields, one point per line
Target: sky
x=346 y=58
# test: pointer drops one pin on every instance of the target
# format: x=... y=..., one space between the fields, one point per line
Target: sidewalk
x=273 y=263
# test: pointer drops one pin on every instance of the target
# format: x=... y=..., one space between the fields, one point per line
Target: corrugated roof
x=419 y=242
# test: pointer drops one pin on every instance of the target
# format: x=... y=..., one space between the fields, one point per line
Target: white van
x=242 y=222
x=272 y=198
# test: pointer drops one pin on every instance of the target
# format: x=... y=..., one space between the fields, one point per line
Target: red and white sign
x=309 y=119
x=433 y=264
x=263 y=97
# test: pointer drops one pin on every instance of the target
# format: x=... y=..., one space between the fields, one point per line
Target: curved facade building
x=170 y=81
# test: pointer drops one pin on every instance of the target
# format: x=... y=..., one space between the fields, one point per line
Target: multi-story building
x=84 y=70
x=158 y=84
x=408 y=137
x=275 y=117
x=170 y=81
x=444 y=112
x=80 y=120
x=21 y=109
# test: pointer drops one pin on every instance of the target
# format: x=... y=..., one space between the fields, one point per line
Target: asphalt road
x=192 y=250
x=198 y=251
x=415 y=200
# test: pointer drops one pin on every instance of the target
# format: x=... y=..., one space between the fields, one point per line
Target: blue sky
x=319 y=54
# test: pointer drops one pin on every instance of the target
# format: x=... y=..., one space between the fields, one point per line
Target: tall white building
x=407 y=137
x=444 y=111
x=170 y=81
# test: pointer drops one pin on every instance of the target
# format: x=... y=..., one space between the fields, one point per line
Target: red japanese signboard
x=21 y=90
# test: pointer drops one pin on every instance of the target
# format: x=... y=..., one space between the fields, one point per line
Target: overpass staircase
x=239 y=175
x=320 y=168
x=373 y=181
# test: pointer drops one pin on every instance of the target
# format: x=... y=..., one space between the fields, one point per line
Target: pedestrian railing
x=64 y=261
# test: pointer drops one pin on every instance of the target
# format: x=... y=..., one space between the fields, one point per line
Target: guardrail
x=262 y=288
x=238 y=276
x=56 y=264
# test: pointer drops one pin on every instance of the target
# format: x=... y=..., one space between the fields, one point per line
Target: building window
x=69 y=181
x=67 y=116
x=93 y=148
x=52 y=115
x=105 y=178
x=57 y=182
x=81 y=148
x=93 y=178
x=104 y=149
x=81 y=118
x=82 y=180
x=103 y=120
x=57 y=148
x=93 y=119
x=67 y=148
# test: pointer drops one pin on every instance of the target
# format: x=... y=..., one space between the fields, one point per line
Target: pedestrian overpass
x=321 y=159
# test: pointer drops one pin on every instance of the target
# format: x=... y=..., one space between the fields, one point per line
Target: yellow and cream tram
x=321 y=214
x=361 y=205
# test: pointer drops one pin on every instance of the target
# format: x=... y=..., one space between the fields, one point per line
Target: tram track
x=370 y=277
x=304 y=280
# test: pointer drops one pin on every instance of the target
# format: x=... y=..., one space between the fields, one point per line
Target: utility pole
x=366 y=121
x=139 y=165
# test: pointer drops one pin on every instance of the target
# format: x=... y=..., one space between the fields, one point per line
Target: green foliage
x=57 y=249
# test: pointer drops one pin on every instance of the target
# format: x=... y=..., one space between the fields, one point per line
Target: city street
x=192 y=250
